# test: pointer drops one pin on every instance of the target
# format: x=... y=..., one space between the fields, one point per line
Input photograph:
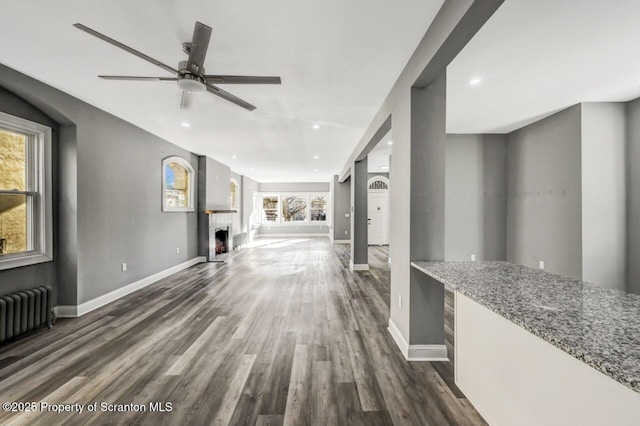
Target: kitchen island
x=537 y=348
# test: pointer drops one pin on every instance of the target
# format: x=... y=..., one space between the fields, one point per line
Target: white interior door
x=378 y=208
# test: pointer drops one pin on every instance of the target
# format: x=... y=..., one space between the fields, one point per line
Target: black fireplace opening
x=222 y=240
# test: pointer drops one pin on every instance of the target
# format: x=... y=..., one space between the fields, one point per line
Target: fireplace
x=221 y=240
x=220 y=235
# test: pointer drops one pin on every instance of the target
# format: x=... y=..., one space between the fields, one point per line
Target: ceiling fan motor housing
x=191 y=81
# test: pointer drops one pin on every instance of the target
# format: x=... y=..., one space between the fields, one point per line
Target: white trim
x=37 y=191
x=93 y=304
x=428 y=353
x=359 y=266
x=417 y=352
x=403 y=345
x=192 y=183
x=341 y=241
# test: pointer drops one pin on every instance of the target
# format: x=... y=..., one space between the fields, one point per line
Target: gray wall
x=213 y=194
x=341 y=207
x=250 y=215
x=475 y=197
x=544 y=195
x=116 y=202
x=359 y=214
x=604 y=242
x=428 y=154
x=633 y=197
x=294 y=187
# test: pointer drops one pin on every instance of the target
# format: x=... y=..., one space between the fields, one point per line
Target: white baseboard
x=359 y=266
x=417 y=352
x=403 y=345
x=427 y=353
x=70 y=311
x=341 y=241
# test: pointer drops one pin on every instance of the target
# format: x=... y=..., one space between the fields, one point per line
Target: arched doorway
x=378 y=210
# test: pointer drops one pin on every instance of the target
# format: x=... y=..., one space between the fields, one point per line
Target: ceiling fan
x=190 y=75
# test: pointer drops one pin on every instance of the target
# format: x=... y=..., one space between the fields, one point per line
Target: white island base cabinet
x=515 y=378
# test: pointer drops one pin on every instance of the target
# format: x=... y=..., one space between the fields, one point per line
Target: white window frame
x=38 y=191
x=184 y=163
x=261 y=198
x=306 y=195
x=326 y=208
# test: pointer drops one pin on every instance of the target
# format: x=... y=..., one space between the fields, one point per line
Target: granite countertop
x=595 y=324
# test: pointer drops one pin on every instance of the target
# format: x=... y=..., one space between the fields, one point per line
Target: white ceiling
x=539 y=56
x=337 y=59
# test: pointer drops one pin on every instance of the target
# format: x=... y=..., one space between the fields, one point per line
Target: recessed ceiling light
x=475 y=81
x=390 y=143
x=316 y=170
x=185 y=124
x=315 y=157
x=234 y=156
x=316 y=126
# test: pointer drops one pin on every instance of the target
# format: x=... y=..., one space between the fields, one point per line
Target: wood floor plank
x=234 y=390
x=283 y=333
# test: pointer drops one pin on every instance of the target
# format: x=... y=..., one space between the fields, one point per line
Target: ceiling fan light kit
x=190 y=75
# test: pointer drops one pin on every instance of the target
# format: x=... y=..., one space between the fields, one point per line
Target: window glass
x=270 y=208
x=294 y=208
x=26 y=236
x=13 y=207
x=14 y=236
x=178 y=185
x=13 y=161
x=319 y=208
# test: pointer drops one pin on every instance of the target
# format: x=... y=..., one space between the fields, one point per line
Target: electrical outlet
x=541 y=264
x=124 y=267
x=399 y=301
x=473 y=257
x=345 y=232
x=177 y=250
x=347 y=215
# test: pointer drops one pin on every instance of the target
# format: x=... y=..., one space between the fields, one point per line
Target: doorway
x=378 y=210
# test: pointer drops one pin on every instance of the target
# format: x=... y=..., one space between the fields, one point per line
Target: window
x=294 y=208
x=25 y=193
x=270 y=208
x=177 y=185
x=319 y=208
x=234 y=194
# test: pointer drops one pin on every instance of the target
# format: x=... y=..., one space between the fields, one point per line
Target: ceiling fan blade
x=185 y=100
x=241 y=79
x=229 y=97
x=136 y=78
x=125 y=48
x=199 y=47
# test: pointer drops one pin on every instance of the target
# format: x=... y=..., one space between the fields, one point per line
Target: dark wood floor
x=281 y=334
